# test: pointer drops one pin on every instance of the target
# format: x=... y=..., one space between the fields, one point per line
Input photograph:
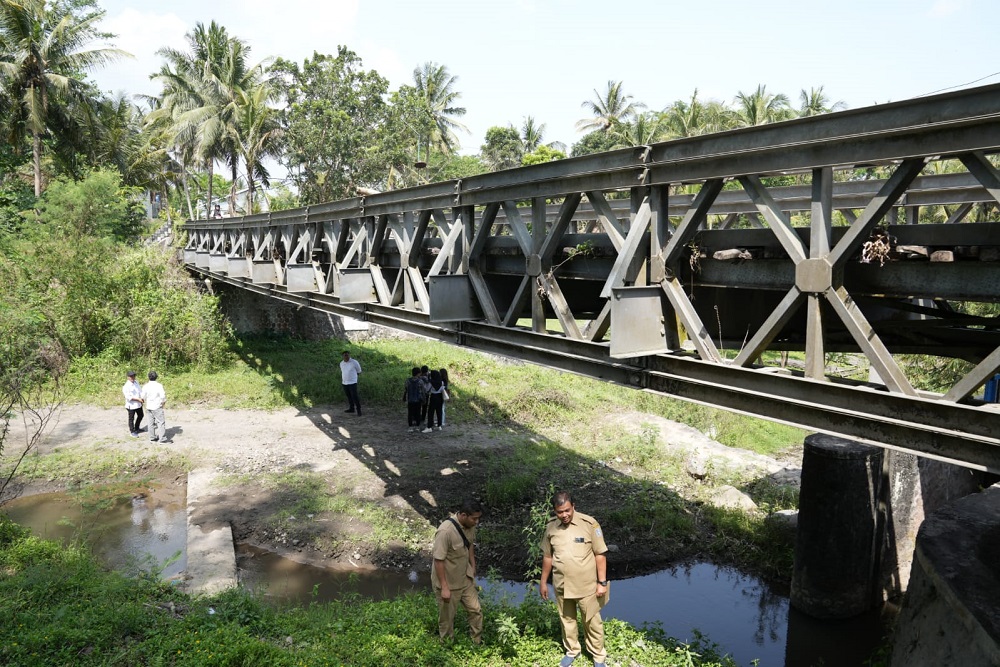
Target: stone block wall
x=255 y=313
x=249 y=312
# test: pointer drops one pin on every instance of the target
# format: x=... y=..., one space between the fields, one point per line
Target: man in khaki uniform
x=453 y=576
x=573 y=550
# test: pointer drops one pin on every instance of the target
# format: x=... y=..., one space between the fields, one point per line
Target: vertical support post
x=537 y=239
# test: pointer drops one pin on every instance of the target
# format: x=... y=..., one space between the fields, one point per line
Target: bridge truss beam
x=684 y=267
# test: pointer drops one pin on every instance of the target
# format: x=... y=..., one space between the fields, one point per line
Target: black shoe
x=349 y=410
x=359 y=413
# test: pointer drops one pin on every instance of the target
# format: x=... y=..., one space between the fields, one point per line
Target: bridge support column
x=839 y=536
x=917 y=487
x=253 y=313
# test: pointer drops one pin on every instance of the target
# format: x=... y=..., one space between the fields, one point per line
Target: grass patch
x=99 y=461
x=303 y=497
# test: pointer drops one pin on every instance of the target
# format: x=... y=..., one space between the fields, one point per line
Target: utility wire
x=960 y=85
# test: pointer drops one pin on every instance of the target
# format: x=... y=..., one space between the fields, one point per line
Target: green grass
x=58 y=607
x=99 y=460
x=274 y=372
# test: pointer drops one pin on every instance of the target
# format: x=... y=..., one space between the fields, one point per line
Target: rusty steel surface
x=688 y=267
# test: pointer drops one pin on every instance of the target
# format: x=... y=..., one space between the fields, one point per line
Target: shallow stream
x=739 y=612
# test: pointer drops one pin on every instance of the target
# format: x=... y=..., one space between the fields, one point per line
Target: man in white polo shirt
x=349 y=371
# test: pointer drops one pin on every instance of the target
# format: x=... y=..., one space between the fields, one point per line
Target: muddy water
x=741 y=613
x=148 y=531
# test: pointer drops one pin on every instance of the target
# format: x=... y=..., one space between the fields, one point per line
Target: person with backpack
x=436 y=405
x=415 y=395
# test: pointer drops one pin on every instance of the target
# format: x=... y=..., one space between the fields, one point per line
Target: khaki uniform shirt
x=573 y=548
x=448 y=546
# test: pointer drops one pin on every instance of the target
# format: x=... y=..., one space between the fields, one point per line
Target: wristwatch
x=602 y=583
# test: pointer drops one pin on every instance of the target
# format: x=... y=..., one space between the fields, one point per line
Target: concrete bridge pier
x=838 y=540
x=860 y=508
x=916 y=487
x=951 y=614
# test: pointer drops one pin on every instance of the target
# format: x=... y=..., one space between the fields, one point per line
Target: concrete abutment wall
x=249 y=313
x=951 y=613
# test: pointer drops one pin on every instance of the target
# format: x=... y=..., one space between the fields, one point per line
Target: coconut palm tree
x=44 y=51
x=693 y=118
x=436 y=86
x=761 y=107
x=531 y=134
x=644 y=130
x=258 y=132
x=612 y=107
x=815 y=102
x=201 y=96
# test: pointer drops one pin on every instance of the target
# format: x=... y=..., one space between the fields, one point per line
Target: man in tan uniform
x=453 y=576
x=573 y=550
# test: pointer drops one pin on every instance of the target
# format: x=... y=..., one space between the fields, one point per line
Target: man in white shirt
x=133 y=403
x=155 y=398
x=349 y=371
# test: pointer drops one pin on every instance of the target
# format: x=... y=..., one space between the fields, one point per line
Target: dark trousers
x=134 y=419
x=413 y=413
x=353 y=400
x=435 y=408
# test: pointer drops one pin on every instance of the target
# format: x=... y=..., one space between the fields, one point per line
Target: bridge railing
x=741 y=261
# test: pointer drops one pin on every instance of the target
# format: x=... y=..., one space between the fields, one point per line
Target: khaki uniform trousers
x=468 y=597
x=593 y=626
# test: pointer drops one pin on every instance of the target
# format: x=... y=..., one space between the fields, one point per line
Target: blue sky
x=545 y=57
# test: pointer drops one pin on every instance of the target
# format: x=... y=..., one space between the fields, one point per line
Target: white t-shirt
x=349 y=371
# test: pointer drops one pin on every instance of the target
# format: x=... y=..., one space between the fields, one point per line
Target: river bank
x=331 y=488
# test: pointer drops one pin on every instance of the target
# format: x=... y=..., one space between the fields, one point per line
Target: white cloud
x=140 y=33
x=942 y=8
x=291 y=29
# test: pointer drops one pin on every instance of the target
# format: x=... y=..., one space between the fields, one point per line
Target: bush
x=72 y=276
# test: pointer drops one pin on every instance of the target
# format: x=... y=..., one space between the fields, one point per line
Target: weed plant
x=58 y=607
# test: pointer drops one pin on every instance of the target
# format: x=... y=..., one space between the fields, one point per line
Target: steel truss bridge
x=688 y=267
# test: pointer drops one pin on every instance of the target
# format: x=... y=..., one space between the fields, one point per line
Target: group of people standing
x=573 y=552
x=426 y=393
x=152 y=398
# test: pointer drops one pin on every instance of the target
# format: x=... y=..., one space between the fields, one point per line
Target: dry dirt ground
x=370 y=461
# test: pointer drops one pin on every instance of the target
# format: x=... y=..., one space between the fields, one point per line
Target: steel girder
x=634 y=253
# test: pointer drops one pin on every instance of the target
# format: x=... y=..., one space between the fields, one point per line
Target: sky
x=544 y=58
